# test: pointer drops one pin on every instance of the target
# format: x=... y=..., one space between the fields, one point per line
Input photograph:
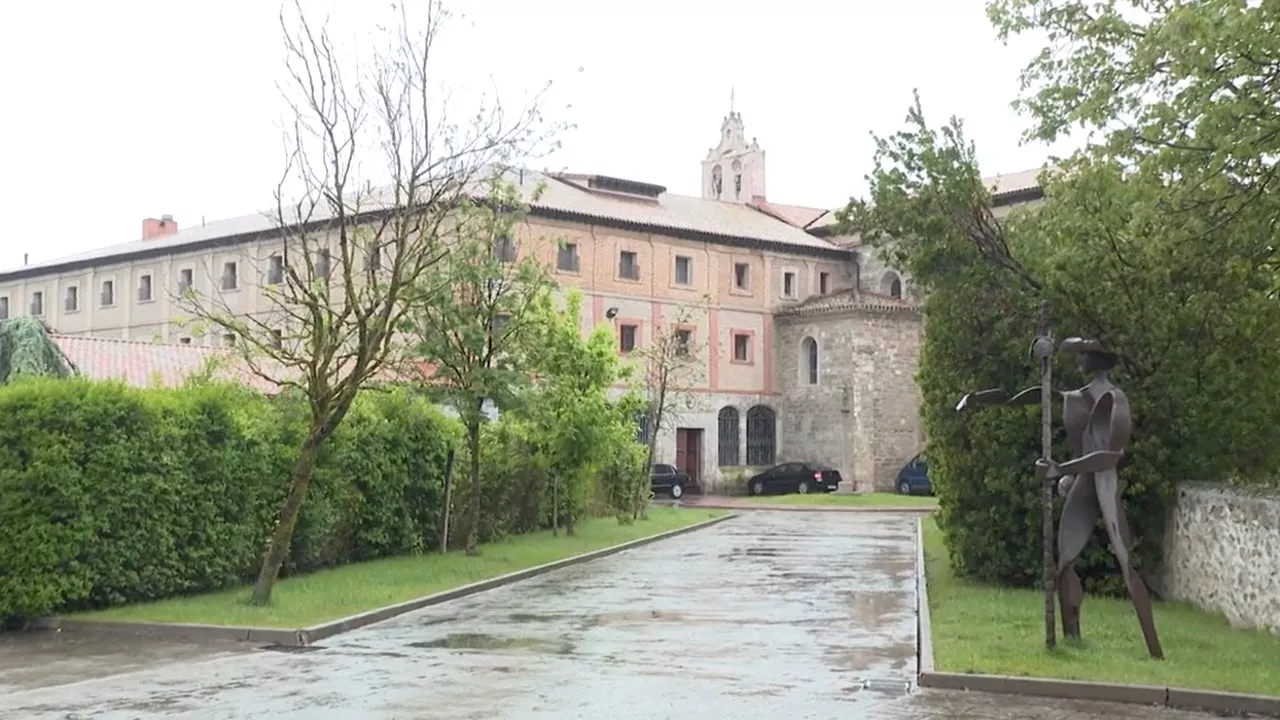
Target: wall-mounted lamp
x=611 y=313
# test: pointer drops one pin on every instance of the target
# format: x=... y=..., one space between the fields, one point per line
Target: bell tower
x=733 y=170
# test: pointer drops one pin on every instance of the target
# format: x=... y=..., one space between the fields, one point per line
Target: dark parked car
x=913 y=478
x=667 y=480
x=794 y=477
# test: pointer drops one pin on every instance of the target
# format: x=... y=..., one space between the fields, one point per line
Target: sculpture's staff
x=1042 y=349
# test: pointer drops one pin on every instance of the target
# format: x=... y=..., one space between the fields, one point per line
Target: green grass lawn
x=999 y=631
x=881 y=499
x=332 y=594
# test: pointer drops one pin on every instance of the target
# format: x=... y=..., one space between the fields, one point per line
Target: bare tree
x=379 y=170
x=672 y=367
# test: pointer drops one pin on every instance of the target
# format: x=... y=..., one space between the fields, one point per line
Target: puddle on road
x=482 y=641
x=531 y=618
x=635 y=616
x=871 y=608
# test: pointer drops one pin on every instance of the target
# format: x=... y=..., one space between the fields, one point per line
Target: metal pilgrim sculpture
x=1098 y=425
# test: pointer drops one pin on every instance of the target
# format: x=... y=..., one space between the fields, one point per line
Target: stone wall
x=1222 y=552
x=863 y=415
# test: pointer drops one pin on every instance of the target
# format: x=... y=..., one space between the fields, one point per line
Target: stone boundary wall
x=1222 y=551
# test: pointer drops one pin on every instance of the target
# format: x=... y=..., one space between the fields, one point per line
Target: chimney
x=153 y=228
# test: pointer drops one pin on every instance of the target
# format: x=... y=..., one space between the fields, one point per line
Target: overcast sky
x=119 y=111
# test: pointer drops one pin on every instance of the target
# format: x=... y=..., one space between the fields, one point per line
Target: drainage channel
x=886 y=686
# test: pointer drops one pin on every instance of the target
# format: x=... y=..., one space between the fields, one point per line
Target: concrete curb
x=894 y=509
x=1183 y=698
x=306 y=636
x=924 y=627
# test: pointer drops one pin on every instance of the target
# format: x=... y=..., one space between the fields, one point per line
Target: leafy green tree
x=1181 y=296
x=475 y=321
x=572 y=421
x=26 y=350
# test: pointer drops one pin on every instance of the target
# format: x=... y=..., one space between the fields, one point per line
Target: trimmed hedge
x=110 y=494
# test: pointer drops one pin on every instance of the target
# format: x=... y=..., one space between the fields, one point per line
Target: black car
x=667 y=480
x=794 y=477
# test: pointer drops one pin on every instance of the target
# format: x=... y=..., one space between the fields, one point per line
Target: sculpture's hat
x=1086 y=346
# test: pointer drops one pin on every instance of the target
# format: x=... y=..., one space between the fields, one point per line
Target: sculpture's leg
x=1079 y=515
x=1070 y=599
x=1108 y=490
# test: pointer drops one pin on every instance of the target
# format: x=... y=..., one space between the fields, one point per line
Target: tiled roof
x=560 y=194
x=797 y=215
x=1000 y=186
x=668 y=210
x=147 y=365
x=1013 y=183
x=569 y=195
x=849 y=299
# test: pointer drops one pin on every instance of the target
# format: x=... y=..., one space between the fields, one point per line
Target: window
x=761 y=436
x=627 y=337
x=809 y=351
x=71 y=302
x=275 y=270
x=228 y=340
x=373 y=258
x=788 y=284
x=108 y=296
x=684 y=342
x=230 y=281
x=684 y=270
x=144 y=288
x=628 y=265
x=499 y=323
x=185 y=278
x=729 y=433
x=741 y=276
x=37 y=303
x=277 y=338
x=322 y=264
x=891 y=285
x=504 y=249
x=184 y=341
x=741 y=347
x=824 y=283
x=4 y=307
x=567 y=258
x=642 y=427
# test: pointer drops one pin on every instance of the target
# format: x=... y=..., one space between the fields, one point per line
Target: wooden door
x=689 y=452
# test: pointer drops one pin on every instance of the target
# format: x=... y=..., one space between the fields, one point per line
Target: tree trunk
x=287 y=520
x=473 y=440
x=555 y=504
x=448 y=501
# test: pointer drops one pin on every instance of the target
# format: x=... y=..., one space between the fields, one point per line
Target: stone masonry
x=1222 y=551
x=862 y=416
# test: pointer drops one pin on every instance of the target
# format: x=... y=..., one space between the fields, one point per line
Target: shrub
x=110 y=494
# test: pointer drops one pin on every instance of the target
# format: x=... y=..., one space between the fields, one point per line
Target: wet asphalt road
x=770 y=615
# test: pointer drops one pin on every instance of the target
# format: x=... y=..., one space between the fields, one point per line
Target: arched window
x=761 y=435
x=642 y=427
x=809 y=355
x=737 y=178
x=891 y=285
x=717 y=181
x=729 y=432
